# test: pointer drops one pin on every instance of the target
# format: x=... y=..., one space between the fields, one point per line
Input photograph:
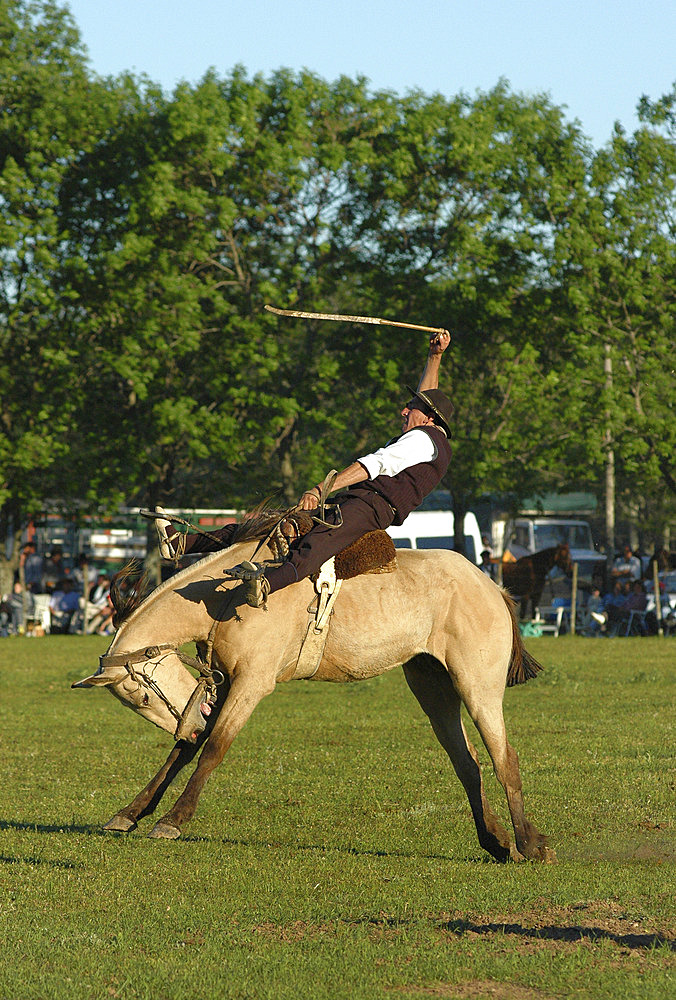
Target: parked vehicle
x=525 y=535
x=434 y=529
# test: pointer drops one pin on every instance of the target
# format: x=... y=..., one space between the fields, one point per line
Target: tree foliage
x=142 y=233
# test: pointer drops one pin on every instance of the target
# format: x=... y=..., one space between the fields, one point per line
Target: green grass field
x=333 y=853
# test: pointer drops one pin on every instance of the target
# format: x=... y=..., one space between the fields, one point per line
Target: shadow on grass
x=11 y=824
x=294 y=845
x=567 y=934
x=97 y=830
x=33 y=860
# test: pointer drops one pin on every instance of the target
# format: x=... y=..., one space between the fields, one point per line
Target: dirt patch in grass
x=552 y=927
x=477 y=989
x=295 y=931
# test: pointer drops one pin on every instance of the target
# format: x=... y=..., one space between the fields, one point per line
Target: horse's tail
x=522 y=666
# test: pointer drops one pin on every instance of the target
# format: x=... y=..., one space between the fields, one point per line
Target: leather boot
x=161 y=525
x=256 y=586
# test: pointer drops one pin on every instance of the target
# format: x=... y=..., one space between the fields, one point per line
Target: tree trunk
x=610 y=467
x=10 y=548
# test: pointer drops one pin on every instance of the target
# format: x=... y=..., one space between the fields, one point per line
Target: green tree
x=617 y=265
x=47 y=114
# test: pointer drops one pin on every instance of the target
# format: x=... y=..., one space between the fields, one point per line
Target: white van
x=433 y=529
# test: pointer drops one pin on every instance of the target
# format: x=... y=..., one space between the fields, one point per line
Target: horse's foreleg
x=438 y=699
x=147 y=800
x=243 y=696
x=530 y=843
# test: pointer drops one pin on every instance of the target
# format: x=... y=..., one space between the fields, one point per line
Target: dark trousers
x=200 y=543
x=361 y=511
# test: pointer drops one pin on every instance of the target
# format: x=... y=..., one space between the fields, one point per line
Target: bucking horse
x=447 y=624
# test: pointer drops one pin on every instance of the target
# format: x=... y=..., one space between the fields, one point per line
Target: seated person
x=596 y=611
x=636 y=601
x=613 y=604
x=627 y=566
x=63 y=604
x=99 y=611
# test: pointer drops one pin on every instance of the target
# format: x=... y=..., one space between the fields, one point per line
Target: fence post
x=573 y=601
x=658 y=599
x=85 y=596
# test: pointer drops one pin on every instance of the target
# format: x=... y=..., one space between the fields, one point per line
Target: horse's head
x=562 y=558
x=155 y=683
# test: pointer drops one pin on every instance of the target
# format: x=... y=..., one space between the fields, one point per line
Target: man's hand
x=309 y=499
x=439 y=342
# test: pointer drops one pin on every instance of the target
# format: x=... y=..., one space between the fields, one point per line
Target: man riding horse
x=375 y=491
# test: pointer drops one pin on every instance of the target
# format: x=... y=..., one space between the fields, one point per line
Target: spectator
x=613 y=604
x=105 y=626
x=486 y=566
x=636 y=601
x=78 y=573
x=54 y=571
x=62 y=606
x=5 y=615
x=596 y=612
x=33 y=568
x=100 y=608
x=627 y=566
x=17 y=601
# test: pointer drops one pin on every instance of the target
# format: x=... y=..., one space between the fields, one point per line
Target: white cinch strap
x=312 y=648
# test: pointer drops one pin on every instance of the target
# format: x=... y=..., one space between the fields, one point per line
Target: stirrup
x=256 y=584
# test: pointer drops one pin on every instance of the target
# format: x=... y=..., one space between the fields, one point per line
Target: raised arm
x=430 y=376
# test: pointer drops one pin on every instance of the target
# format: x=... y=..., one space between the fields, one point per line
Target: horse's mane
x=129 y=587
x=260 y=522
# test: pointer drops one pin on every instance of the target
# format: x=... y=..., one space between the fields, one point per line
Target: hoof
x=164 y=831
x=120 y=824
x=542 y=853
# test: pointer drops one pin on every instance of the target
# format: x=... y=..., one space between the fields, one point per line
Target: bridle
x=190 y=721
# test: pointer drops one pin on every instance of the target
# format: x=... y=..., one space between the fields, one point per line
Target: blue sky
x=595 y=57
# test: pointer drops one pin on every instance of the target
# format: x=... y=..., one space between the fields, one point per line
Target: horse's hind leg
x=434 y=690
x=490 y=722
x=147 y=800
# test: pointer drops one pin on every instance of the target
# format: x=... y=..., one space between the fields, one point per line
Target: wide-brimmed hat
x=439 y=403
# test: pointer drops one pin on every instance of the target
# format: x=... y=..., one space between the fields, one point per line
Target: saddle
x=374 y=552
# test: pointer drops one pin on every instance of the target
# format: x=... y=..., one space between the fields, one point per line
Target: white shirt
x=412 y=448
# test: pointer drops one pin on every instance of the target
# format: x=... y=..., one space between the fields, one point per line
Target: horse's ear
x=102 y=678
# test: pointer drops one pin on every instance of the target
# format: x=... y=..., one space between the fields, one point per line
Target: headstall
x=190 y=721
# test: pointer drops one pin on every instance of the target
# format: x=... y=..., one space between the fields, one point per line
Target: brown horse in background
x=525 y=578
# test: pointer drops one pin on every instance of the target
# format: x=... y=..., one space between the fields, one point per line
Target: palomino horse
x=450 y=627
x=525 y=578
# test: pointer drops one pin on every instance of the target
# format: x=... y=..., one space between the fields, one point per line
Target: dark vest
x=407 y=489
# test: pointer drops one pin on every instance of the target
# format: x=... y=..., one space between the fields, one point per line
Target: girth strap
x=312 y=647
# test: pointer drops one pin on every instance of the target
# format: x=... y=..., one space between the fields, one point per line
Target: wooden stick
x=373 y=320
